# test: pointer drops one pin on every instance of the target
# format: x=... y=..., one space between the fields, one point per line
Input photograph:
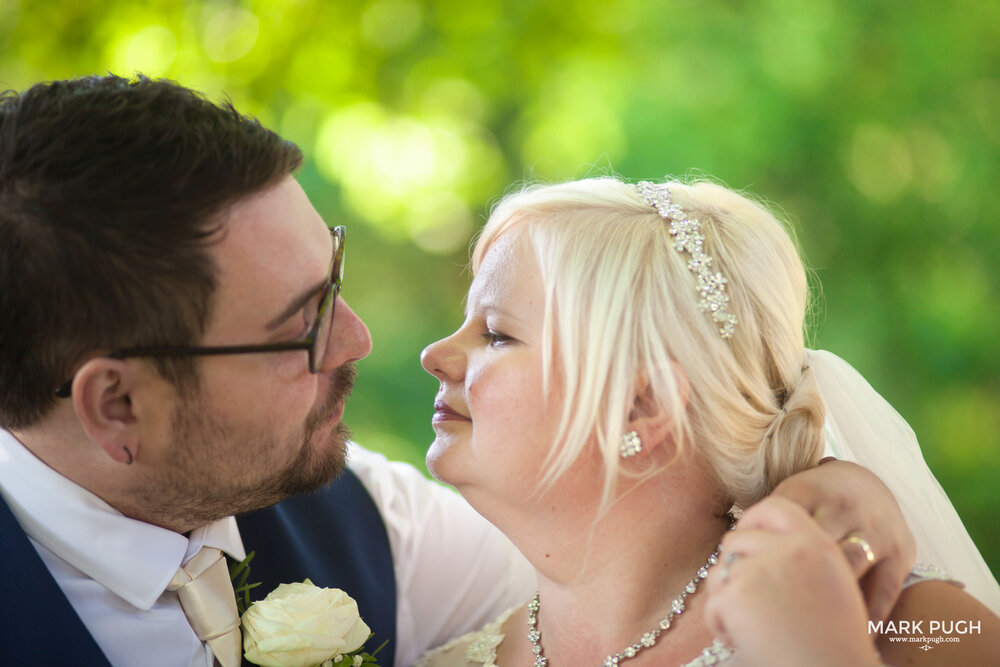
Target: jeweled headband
x=688 y=238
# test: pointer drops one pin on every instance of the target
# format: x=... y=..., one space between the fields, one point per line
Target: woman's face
x=493 y=422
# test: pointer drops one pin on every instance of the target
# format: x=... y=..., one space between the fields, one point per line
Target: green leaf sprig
x=239 y=573
x=347 y=659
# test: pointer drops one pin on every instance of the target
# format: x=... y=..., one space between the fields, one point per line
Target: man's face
x=262 y=427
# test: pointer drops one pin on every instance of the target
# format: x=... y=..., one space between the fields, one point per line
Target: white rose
x=302 y=625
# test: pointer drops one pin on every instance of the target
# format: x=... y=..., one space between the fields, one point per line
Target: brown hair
x=111 y=191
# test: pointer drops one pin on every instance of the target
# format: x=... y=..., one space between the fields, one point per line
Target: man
x=174 y=352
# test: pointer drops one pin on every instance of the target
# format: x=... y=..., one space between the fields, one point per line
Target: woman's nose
x=444 y=359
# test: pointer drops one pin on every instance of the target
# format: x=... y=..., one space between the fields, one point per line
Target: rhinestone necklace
x=647 y=640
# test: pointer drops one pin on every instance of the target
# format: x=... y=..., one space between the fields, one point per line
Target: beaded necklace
x=646 y=641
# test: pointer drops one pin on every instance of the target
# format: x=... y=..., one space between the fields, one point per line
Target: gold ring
x=861 y=542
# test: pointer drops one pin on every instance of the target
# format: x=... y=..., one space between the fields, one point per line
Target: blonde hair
x=621 y=308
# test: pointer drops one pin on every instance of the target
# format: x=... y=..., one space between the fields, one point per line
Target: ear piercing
x=630 y=445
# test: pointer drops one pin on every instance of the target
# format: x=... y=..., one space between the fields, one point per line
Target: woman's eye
x=495 y=339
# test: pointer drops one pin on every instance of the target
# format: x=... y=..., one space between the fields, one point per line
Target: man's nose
x=349 y=338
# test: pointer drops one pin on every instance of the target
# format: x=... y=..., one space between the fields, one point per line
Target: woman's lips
x=444 y=413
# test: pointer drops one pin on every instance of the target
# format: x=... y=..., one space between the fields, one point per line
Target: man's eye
x=308 y=320
x=310 y=313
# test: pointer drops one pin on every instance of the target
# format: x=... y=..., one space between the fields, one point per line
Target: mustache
x=343 y=383
x=340 y=390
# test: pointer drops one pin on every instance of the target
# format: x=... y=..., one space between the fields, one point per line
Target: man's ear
x=651 y=418
x=103 y=405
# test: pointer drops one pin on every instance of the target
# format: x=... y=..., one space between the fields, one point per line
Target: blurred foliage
x=876 y=125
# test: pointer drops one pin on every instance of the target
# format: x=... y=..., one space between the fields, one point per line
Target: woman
x=631 y=367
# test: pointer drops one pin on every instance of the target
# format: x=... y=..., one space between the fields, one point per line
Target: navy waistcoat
x=335 y=537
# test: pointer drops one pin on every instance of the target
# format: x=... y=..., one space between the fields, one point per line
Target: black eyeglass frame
x=314 y=343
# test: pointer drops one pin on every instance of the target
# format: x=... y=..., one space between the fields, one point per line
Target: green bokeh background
x=875 y=125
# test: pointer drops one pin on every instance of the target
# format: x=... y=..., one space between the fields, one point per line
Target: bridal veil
x=862 y=427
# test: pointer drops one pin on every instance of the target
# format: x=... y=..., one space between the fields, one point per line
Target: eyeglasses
x=315 y=341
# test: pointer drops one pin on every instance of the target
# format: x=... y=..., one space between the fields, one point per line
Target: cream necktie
x=208 y=601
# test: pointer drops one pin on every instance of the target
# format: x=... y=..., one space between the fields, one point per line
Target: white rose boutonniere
x=302 y=625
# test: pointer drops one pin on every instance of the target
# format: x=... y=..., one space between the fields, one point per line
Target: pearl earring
x=630 y=445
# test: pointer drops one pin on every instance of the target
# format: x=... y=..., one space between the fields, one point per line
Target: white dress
x=479 y=648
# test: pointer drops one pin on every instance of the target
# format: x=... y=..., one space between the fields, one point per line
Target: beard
x=223 y=469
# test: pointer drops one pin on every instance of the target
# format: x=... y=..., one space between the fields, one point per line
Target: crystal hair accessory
x=688 y=238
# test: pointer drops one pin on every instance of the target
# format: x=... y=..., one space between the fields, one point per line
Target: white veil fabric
x=862 y=427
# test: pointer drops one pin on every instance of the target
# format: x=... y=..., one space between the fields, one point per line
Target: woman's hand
x=856 y=510
x=784 y=593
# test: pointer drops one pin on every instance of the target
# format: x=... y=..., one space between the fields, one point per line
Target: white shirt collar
x=132 y=559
